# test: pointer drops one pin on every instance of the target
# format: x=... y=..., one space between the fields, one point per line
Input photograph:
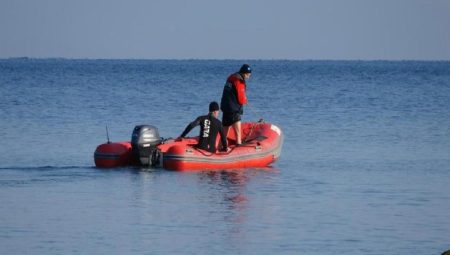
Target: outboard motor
x=144 y=140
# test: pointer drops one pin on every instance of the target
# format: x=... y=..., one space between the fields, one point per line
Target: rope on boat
x=260 y=121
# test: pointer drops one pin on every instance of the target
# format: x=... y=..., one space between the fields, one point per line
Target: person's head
x=214 y=108
x=245 y=71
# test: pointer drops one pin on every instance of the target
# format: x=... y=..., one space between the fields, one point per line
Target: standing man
x=210 y=126
x=233 y=100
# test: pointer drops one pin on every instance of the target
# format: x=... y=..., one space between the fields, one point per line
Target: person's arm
x=189 y=127
x=240 y=89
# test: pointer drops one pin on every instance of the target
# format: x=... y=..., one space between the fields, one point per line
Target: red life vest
x=234 y=94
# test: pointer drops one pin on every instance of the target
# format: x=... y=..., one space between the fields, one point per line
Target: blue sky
x=210 y=29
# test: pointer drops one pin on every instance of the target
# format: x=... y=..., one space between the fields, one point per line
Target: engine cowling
x=144 y=142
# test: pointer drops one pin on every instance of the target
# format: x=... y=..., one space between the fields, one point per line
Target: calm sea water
x=365 y=166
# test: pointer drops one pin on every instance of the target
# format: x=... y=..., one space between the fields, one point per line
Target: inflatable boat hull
x=262 y=143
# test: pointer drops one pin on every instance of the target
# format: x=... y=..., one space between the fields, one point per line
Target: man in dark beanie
x=210 y=126
x=233 y=100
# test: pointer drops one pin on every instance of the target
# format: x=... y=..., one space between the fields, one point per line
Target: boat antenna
x=107 y=133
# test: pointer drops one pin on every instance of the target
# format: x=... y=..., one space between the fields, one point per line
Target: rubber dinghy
x=262 y=143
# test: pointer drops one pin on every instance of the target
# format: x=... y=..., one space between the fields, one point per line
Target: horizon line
x=224 y=59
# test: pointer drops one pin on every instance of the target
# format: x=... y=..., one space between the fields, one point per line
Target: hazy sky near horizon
x=210 y=29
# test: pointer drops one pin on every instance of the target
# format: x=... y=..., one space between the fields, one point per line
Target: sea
x=364 y=169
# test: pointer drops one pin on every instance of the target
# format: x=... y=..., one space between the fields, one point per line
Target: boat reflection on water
x=229 y=196
x=232 y=182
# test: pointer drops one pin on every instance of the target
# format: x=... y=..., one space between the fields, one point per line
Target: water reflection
x=229 y=195
x=231 y=183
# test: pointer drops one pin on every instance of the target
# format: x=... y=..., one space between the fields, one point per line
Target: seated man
x=209 y=127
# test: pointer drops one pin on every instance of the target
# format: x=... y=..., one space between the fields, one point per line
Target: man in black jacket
x=233 y=100
x=210 y=126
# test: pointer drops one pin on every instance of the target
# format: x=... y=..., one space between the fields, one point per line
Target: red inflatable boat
x=262 y=144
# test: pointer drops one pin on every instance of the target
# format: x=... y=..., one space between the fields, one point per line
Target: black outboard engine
x=144 y=140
